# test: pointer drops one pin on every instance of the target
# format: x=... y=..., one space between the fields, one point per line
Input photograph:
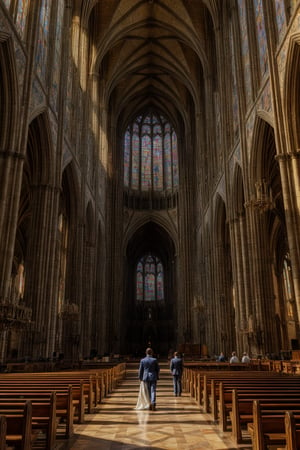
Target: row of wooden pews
x=261 y=405
x=44 y=406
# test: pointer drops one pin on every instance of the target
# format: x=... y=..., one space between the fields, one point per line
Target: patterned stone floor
x=176 y=424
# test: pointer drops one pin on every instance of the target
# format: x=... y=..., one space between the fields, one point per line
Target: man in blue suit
x=149 y=373
x=176 y=367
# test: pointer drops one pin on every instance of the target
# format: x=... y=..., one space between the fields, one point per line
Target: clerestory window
x=150 y=155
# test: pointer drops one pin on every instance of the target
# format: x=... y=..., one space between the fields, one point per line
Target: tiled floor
x=176 y=424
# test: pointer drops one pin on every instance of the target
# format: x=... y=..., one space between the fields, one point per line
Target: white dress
x=143 y=401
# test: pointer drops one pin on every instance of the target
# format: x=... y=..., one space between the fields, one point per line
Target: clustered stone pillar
x=240 y=259
x=39 y=262
x=11 y=168
x=290 y=179
x=264 y=332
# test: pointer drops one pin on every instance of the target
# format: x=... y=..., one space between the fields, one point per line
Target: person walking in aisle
x=149 y=373
x=176 y=367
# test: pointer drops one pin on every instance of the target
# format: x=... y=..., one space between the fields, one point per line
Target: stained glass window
x=245 y=47
x=42 y=43
x=150 y=155
x=22 y=10
x=7 y=3
x=280 y=15
x=261 y=36
x=149 y=279
x=57 y=54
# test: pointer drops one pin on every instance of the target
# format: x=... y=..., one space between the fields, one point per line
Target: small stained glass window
x=149 y=279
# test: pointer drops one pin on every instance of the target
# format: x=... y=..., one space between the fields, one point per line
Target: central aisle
x=176 y=424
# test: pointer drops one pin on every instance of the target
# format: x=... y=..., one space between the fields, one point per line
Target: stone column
x=11 y=170
x=39 y=292
x=74 y=293
x=238 y=272
x=52 y=280
x=209 y=298
x=88 y=281
x=290 y=181
x=223 y=299
x=264 y=329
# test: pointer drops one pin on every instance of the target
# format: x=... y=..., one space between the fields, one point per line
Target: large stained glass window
x=150 y=155
x=149 y=279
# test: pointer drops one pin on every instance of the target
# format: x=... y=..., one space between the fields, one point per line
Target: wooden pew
x=65 y=405
x=211 y=381
x=30 y=391
x=3 y=427
x=97 y=383
x=245 y=382
x=82 y=392
x=292 y=431
x=43 y=415
x=19 y=429
x=85 y=383
x=251 y=391
x=73 y=400
x=268 y=427
x=242 y=408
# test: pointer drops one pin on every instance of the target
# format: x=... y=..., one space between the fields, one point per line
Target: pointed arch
x=139 y=221
x=263 y=152
x=150 y=242
x=71 y=190
x=151 y=236
x=292 y=92
x=38 y=171
x=9 y=94
x=237 y=192
x=264 y=168
x=271 y=234
x=224 y=297
x=39 y=153
x=219 y=217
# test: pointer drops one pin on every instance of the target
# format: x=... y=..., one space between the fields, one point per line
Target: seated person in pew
x=246 y=358
x=221 y=357
x=234 y=358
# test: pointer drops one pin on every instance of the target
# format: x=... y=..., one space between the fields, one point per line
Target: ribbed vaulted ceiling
x=152 y=53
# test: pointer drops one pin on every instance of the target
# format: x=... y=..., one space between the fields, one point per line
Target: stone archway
x=223 y=282
x=150 y=322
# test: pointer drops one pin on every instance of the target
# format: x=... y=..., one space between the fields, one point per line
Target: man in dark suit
x=149 y=373
x=176 y=367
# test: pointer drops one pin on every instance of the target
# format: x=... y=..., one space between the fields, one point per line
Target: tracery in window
x=150 y=155
x=149 y=279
